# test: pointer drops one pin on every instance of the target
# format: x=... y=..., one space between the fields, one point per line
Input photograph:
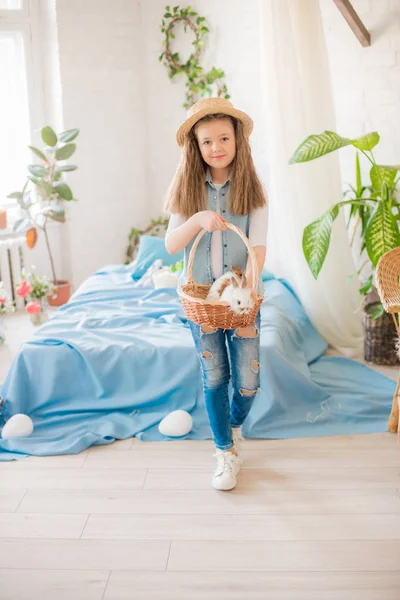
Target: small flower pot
x=62 y=293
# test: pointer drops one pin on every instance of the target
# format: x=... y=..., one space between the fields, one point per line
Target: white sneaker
x=237 y=437
x=228 y=466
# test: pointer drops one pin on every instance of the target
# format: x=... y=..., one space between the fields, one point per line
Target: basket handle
x=254 y=266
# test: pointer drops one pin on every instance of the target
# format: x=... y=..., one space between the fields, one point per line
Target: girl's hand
x=211 y=221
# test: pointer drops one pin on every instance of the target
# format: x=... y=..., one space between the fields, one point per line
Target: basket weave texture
x=193 y=295
x=387 y=280
x=388 y=286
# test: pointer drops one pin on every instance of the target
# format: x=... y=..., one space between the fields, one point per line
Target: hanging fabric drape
x=298 y=102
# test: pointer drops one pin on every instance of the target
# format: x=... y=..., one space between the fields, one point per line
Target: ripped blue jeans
x=214 y=348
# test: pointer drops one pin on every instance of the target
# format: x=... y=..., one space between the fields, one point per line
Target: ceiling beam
x=352 y=18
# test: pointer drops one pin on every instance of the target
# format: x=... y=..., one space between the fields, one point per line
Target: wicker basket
x=193 y=295
x=380 y=338
x=388 y=287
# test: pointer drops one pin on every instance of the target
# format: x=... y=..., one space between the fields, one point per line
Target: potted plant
x=43 y=196
x=39 y=289
x=5 y=306
x=373 y=216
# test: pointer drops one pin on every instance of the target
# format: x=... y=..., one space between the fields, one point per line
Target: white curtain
x=298 y=102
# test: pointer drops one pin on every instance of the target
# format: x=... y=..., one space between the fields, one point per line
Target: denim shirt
x=234 y=251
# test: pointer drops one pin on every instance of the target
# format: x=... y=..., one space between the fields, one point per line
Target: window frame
x=27 y=21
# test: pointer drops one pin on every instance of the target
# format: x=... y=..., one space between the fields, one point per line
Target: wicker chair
x=388 y=285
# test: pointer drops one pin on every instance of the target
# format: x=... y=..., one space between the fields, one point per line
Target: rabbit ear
x=234 y=282
x=238 y=272
x=239 y=276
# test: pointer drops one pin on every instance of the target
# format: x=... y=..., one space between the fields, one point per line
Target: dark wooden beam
x=352 y=18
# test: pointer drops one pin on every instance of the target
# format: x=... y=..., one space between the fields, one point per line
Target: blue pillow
x=151 y=248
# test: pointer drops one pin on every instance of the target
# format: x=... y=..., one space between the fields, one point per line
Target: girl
x=215 y=183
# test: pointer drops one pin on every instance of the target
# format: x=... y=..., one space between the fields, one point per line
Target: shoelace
x=226 y=459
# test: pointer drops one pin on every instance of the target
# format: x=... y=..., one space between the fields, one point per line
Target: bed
x=118 y=358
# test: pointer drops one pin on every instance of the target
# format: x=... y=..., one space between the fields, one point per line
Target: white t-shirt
x=258 y=229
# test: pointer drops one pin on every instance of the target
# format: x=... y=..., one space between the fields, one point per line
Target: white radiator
x=11 y=262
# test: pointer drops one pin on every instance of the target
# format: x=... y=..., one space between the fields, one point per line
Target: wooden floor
x=310 y=519
x=313 y=518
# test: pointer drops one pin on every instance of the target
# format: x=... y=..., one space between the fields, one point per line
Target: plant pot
x=380 y=338
x=62 y=293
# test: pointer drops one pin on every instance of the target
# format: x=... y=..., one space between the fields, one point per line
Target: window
x=16 y=98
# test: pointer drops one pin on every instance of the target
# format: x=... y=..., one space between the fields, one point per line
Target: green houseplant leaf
x=316 y=240
x=68 y=136
x=60 y=168
x=65 y=151
x=49 y=136
x=366 y=142
x=37 y=170
x=38 y=152
x=380 y=174
x=382 y=233
x=318 y=145
x=63 y=190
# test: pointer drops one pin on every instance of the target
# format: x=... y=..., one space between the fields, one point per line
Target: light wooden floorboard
x=74 y=478
x=169 y=585
x=25 y=525
x=10 y=499
x=285 y=556
x=29 y=584
x=244 y=527
x=178 y=502
x=83 y=554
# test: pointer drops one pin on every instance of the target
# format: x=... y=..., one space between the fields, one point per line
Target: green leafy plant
x=374 y=211
x=43 y=195
x=178 y=266
x=154 y=228
x=198 y=82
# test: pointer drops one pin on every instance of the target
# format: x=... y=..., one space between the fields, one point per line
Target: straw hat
x=211 y=106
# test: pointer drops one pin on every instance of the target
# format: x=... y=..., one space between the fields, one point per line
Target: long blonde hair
x=187 y=193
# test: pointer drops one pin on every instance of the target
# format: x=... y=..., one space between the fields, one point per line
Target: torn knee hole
x=206 y=354
x=208 y=329
x=247 y=332
x=247 y=392
x=255 y=366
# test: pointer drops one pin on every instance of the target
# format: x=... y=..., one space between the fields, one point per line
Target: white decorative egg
x=17 y=426
x=176 y=424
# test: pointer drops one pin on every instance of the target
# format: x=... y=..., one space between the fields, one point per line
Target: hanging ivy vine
x=198 y=82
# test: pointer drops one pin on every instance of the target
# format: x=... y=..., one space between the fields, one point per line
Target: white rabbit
x=231 y=289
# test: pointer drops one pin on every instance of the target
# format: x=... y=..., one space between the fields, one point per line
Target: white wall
x=118 y=93
x=366 y=81
x=100 y=55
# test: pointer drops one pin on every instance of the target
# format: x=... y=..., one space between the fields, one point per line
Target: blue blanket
x=116 y=359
